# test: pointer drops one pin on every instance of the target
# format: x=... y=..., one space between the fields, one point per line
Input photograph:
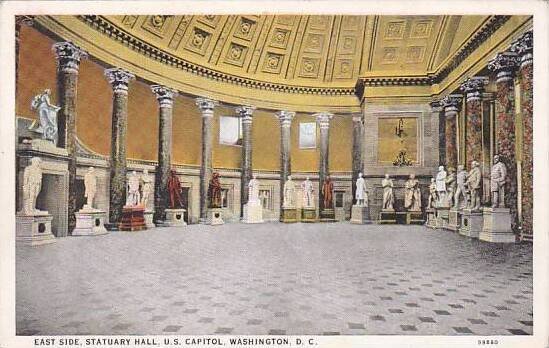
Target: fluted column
x=524 y=48
x=206 y=107
x=357 y=156
x=451 y=106
x=164 y=96
x=245 y=113
x=473 y=88
x=285 y=118
x=68 y=62
x=323 y=120
x=119 y=80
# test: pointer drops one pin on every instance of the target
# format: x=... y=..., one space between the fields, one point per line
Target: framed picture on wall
x=307 y=135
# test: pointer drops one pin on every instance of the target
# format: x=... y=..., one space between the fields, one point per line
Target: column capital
x=68 y=56
x=24 y=20
x=524 y=47
x=285 y=117
x=504 y=65
x=357 y=117
x=436 y=106
x=164 y=95
x=451 y=104
x=245 y=112
x=206 y=106
x=473 y=87
x=119 y=79
x=323 y=119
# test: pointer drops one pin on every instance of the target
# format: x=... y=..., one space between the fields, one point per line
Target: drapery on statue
x=412 y=195
x=133 y=196
x=47 y=115
x=214 y=191
x=441 y=185
x=450 y=186
x=307 y=190
x=433 y=197
x=498 y=176
x=473 y=183
x=174 y=190
x=146 y=188
x=289 y=193
x=327 y=193
x=388 y=198
x=90 y=184
x=253 y=190
x=32 y=184
x=361 y=195
x=461 y=190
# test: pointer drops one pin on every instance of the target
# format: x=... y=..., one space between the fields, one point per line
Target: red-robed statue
x=214 y=191
x=327 y=193
x=174 y=188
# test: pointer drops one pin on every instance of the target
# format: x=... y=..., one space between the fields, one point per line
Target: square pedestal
x=90 y=223
x=149 y=219
x=175 y=218
x=253 y=213
x=471 y=223
x=214 y=217
x=327 y=215
x=34 y=230
x=387 y=217
x=133 y=219
x=431 y=218
x=442 y=217
x=454 y=219
x=308 y=215
x=497 y=226
x=288 y=215
x=414 y=218
x=360 y=214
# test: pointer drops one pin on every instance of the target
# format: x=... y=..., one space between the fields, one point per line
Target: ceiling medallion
x=273 y=61
x=158 y=21
x=308 y=66
x=198 y=39
x=236 y=52
x=245 y=27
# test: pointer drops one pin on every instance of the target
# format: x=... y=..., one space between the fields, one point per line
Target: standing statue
x=133 y=196
x=497 y=183
x=361 y=195
x=327 y=193
x=433 y=197
x=307 y=190
x=412 y=196
x=289 y=193
x=253 y=190
x=47 y=115
x=174 y=189
x=473 y=183
x=90 y=184
x=146 y=188
x=32 y=184
x=214 y=191
x=461 y=190
x=441 y=184
x=450 y=186
x=388 y=198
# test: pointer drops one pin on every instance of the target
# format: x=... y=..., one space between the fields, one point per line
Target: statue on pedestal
x=47 y=115
x=473 y=183
x=461 y=190
x=253 y=190
x=133 y=196
x=90 y=184
x=433 y=197
x=361 y=195
x=214 y=191
x=289 y=193
x=146 y=188
x=32 y=184
x=450 y=187
x=327 y=193
x=388 y=198
x=307 y=190
x=412 y=196
x=498 y=175
x=441 y=185
x=174 y=189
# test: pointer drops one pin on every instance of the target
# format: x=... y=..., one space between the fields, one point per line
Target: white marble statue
x=412 y=195
x=460 y=197
x=498 y=175
x=473 y=182
x=450 y=187
x=307 y=190
x=361 y=195
x=146 y=188
x=90 y=185
x=133 y=196
x=388 y=198
x=32 y=184
x=433 y=197
x=253 y=191
x=441 y=184
x=289 y=193
x=47 y=115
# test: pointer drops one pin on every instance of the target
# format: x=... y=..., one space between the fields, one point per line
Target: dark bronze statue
x=214 y=191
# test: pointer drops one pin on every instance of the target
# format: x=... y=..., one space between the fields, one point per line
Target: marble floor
x=322 y=279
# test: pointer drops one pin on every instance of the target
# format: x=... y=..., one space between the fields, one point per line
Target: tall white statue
x=146 y=188
x=32 y=184
x=388 y=198
x=133 y=196
x=433 y=197
x=473 y=182
x=289 y=193
x=253 y=190
x=450 y=186
x=461 y=190
x=412 y=195
x=90 y=185
x=361 y=195
x=497 y=183
x=47 y=114
x=307 y=190
x=441 y=184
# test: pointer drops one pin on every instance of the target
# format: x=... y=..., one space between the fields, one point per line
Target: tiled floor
x=332 y=279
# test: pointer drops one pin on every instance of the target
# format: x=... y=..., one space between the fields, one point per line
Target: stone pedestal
x=175 y=218
x=253 y=213
x=442 y=217
x=133 y=219
x=34 y=229
x=308 y=214
x=90 y=222
x=414 y=218
x=327 y=215
x=288 y=215
x=454 y=219
x=387 y=217
x=214 y=217
x=497 y=226
x=360 y=214
x=471 y=223
x=431 y=218
x=149 y=219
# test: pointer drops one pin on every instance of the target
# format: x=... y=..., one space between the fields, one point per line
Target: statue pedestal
x=308 y=214
x=133 y=219
x=253 y=213
x=149 y=216
x=289 y=215
x=414 y=218
x=497 y=226
x=175 y=218
x=90 y=222
x=387 y=217
x=471 y=223
x=327 y=215
x=214 y=217
x=431 y=218
x=454 y=219
x=34 y=229
x=442 y=217
x=360 y=214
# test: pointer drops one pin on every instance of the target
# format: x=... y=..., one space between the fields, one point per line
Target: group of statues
x=135 y=196
x=308 y=192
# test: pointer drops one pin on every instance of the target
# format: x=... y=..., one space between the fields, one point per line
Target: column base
x=414 y=218
x=454 y=219
x=327 y=215
x=90 y=222
x=497 y=226
x=308 y=215
x=252 y=213
x=288 y=215
x=174 y=218
x=360 y=214
x=214 y=217
x=387 y=217
x=431 y=218
x=133 y=219
x=471 y=223
x=34 y=229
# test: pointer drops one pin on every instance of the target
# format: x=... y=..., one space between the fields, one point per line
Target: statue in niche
x=473 y=183
x=461 y=190
x=388 y=198
x=450 y=187
x=133 y=196
x=289 y=193
x=90 y=184
x=441 y=185
x=307 y=190
x=328 y=193
x=32 y=184
x=47 y=116
x=174 y=190
x=498 y=175
x=361 y=195
x=146 y=188
x=253 y=191
x=214 y=191
x=433 y=197
x=412 y=195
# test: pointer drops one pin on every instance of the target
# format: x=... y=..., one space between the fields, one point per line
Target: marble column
x=206 y=107
x=119 y=80
x=523 y=47
x=245 y=113
x=164 y=96
x=438 y=111
x=323 y=120
x=285 y=118
x=451 y=106
x=358 y=146
x=68 y=62
x=473 y=88
x=19 y=21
